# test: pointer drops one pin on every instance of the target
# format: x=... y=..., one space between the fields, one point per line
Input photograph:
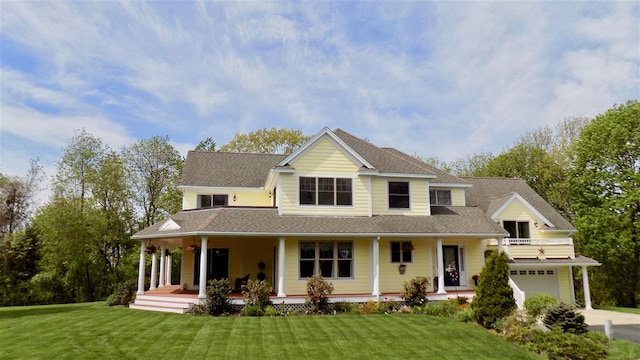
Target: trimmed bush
x=518 y=328
x=565 y=318
x=370 y=307
x=414 y=291
x=257 y=293
x=124 y=293
x=536 y=304
x=271 y=311
x=318 y=290
x=464 y=315
x=556 y=344
x=341 y=306
x=388 y=307
x=217 y=301
x=441 y=308
x=494 y=297
x=252 y=310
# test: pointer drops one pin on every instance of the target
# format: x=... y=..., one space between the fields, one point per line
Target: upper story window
x=517 y=229
x=440 y=197
x=206 y=201
x=398 y=195
x=326 y=191
x=401 y=251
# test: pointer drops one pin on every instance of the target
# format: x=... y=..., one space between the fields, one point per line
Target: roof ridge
x=232 y=152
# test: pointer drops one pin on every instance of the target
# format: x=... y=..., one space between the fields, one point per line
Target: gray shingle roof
x=491 y=193
x=579 y=260
x=458 y=221
x=206 y=168
x=383 y=160
x=441 y=176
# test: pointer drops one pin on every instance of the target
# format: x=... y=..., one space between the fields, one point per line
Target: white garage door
x=537 y=281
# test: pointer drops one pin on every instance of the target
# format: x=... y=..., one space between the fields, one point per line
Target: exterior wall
x=516 y=211
x=324 y=160
x=244 y=256
x=361 y=282
x=418 y=196
x=244 y=197
x=458 y=197
x=565 y=284
x=390 y=278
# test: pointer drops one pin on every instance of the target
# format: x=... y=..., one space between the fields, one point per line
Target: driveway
x=625 y=326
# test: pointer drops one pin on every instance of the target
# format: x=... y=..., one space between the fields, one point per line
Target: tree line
x=77 y=246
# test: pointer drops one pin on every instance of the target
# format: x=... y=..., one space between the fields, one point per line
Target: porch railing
x=518 y=294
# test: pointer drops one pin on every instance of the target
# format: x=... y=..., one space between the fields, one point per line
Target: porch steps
x=163 y=304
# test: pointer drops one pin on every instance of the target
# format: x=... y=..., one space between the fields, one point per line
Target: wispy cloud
x=434 y=78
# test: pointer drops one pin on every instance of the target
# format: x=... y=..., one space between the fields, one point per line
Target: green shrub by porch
x=414 y=291
x=494 y=297
x=217 y=302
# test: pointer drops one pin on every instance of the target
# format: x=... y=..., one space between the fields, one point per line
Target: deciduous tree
x=266 y=141
x=605 y=189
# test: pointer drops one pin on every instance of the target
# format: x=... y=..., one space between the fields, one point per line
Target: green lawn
x=621 y=309
x=93 y=330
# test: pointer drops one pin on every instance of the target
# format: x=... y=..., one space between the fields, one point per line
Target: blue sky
x=443 y=79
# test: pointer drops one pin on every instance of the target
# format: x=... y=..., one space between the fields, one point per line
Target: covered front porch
x=374 y=270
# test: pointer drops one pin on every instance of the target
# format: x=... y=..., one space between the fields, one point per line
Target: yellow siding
x=248 y=197
x=390 y=278
x=360 y=284
x=516 y=211
x=324 y=159
x=417 y=196
x=457 y=197
x=565 y=284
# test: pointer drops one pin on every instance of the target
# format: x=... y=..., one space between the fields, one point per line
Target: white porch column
x=168 y=267
x=154 y=271
x=500 y=241
x=281 y=268
x=375 y=250
x=162 y=270
x=141 y=267
x=440 y=260
x=202 y=284
x=587 y=291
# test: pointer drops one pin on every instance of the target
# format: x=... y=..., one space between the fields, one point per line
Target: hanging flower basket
x=150 y=249
x=193 y=248
x=402 y=268
x=407 y=247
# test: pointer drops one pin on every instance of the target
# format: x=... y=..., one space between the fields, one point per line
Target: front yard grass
x=621 y=309
x=93 y=330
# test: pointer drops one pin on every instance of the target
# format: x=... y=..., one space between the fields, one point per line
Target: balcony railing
x=535 y=242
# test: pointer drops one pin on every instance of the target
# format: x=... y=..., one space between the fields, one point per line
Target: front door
x=451 y=265
x=217 y=265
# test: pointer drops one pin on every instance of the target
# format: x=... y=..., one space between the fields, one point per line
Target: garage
x=537 y=281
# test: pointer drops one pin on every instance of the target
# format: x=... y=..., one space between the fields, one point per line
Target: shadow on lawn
x=18 y=312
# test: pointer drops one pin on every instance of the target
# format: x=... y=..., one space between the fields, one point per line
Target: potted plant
x=150 y=249
x=475 y=279
x=192 y=247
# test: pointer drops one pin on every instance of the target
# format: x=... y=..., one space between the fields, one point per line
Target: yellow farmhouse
x=366 y=218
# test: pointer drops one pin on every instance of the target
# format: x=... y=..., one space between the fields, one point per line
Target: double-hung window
x=401 y=252
x=518 y=231
x=206 y=201
x=326 y=191
x=398 y=195
x=440 y=197
x=331 y=259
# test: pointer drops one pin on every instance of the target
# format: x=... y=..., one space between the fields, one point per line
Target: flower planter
x=402 y=268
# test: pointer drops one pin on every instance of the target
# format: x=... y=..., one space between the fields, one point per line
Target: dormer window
x=440 y=197
x=398 y=195
x=207 y=201
x=517 y=229
x=326 y=191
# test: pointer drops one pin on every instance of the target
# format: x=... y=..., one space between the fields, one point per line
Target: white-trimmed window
x=517 y=229
x=440 y=197
x=331 y=259
x=325 y=191
x=401 y=251
x=399 y=195
x=207 y=201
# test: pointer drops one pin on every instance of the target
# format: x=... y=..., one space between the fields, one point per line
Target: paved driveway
x=625 y=326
